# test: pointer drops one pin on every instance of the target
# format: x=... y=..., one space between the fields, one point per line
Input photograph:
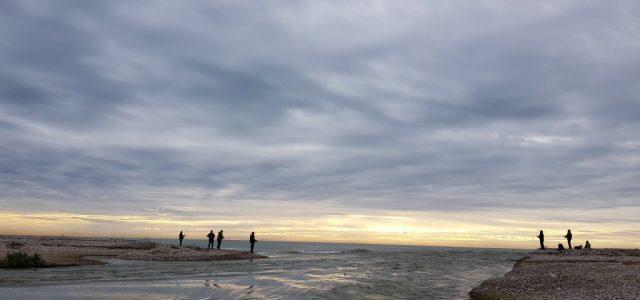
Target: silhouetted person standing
x=587 y=245
x=541 y=237
x=569 y=236
x=211 y=237
x=252 y=240
x=220 y=238
x=181 y=237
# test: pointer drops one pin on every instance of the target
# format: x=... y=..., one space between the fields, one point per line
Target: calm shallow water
x=293 y=271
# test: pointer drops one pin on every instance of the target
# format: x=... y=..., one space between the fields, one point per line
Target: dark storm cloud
x=145 y=106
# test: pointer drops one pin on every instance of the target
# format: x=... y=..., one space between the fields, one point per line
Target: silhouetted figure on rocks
x=211 y=237
x=569 y=236
x=541 y=237
x=220 y=238
x=181 y=237
x=560 y=247
x=252 y=240
x=587 y=245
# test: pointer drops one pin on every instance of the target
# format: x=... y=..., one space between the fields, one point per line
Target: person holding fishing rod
x=220 y=238
x=181 y=237
x=211 y=237
x=252 y=240
x=569 y=236
x=541 y=237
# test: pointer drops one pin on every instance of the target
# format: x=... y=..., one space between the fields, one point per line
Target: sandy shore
x=73 y=251
x=573 y=274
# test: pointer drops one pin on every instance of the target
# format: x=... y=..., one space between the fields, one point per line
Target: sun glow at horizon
x=467 y=229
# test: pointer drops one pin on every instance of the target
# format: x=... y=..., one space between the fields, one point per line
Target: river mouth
x=301 y=271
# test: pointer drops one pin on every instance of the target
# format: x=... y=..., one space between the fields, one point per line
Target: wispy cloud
x=125 y=108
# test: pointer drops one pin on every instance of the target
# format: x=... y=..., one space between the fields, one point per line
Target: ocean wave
x=358 y=251
x=290 y=252
x=350 y=251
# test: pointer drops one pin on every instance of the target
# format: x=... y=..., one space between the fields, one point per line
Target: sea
x=293 y=271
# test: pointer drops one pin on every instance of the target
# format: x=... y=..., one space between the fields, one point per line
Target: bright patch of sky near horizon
x=417 y=122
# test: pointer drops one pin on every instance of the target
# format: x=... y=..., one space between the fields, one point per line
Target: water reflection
x=421 y=273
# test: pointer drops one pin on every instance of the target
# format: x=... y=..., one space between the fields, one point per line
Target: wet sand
x=572 y=274
x=73 y=251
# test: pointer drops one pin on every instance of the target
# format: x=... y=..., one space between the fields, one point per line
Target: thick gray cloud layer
x=140 y=106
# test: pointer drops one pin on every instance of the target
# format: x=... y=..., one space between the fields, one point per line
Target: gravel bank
x=72 y=251
x=572 y=274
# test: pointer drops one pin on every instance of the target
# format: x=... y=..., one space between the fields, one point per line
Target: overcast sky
x=260 y=113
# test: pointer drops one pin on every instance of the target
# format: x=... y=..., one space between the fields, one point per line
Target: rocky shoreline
x=570 y=274
x=74 y=251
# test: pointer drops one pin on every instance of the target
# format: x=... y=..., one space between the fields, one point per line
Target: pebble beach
x=75 y=251
x=570 y=274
